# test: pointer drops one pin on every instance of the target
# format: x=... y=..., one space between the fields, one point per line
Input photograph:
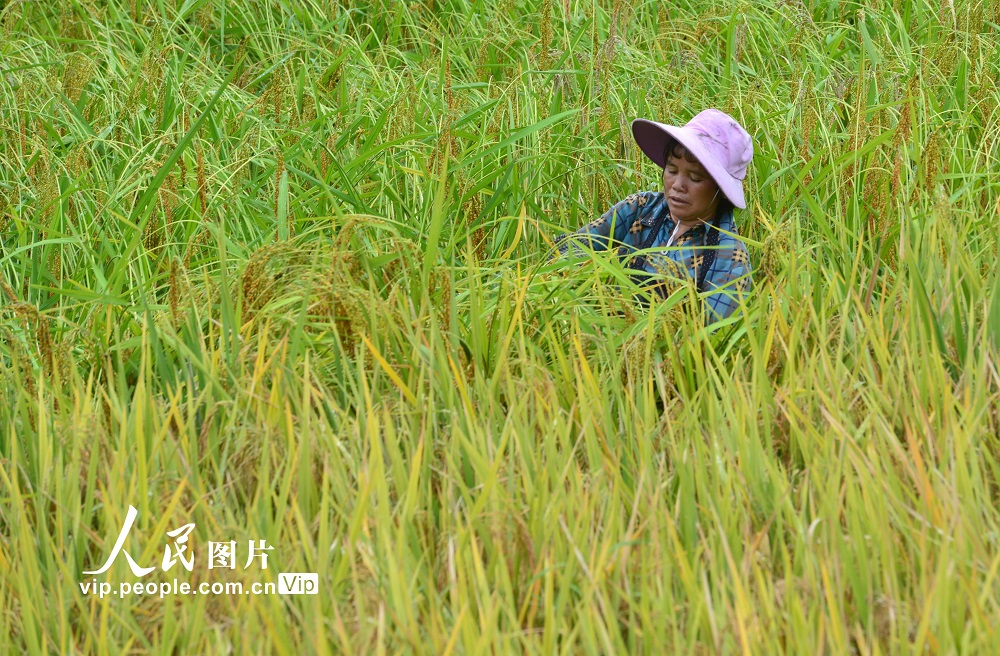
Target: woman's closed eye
x=694 y=178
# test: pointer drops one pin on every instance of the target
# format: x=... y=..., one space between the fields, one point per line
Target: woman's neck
x=691 y=223
x=683 y=225
x=708 y=217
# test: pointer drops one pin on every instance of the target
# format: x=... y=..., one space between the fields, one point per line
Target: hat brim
x=652 y=138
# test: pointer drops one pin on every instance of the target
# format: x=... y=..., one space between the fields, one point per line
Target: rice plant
x=285 y=271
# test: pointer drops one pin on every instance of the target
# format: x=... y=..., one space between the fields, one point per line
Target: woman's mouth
x=676 y=201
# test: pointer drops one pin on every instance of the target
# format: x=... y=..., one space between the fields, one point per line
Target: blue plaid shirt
x=627 y=226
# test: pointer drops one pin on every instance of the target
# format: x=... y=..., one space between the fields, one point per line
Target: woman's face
x=690 y=192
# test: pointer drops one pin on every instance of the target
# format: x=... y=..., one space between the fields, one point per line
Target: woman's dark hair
x=674 y=148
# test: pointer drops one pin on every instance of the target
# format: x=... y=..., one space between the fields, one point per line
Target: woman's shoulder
x=643 y=198
x=729 y=231
x=637 y=206
x=730 y=243
x=641 y=204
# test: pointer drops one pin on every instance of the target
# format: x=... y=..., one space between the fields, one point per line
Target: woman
x=689 y=225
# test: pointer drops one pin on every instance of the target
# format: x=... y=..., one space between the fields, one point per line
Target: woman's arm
x=612 y=226
x=728 y=282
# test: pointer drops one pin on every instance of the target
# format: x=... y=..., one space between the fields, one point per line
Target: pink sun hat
x=714 y=138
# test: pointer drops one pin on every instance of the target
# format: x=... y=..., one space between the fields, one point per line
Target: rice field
x=284 y=271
